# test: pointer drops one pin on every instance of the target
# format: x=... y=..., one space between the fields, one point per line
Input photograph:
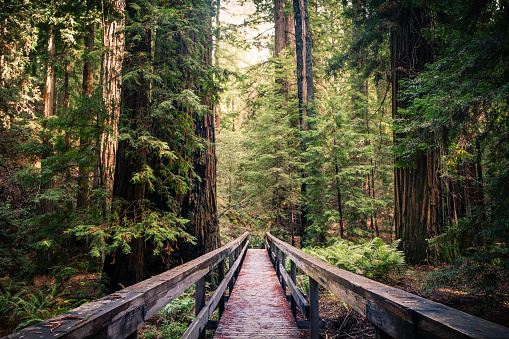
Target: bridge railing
x=120 y=314
x=394 y=312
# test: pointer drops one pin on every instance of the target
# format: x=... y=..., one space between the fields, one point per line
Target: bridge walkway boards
x=257 y=307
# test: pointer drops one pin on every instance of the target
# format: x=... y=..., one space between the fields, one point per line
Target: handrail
x=119 y=315
x=394 y=312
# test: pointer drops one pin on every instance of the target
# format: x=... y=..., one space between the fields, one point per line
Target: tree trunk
x=305 y=87
x=310 y=88
x=48 y=99
x=48 y=96
x=279 y=27
x=417 y=202
x=129 y=268
x=111 y=70
x=299 y=51
x=199 y=205
x=84 y=171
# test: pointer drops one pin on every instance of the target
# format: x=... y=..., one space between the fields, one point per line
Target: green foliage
x=173 y=319
x=374 y=258
x=267 y=175
x=459 y=107
x=21 y=307
x=303 y=283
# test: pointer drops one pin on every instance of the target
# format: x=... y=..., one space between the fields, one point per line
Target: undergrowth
x=20 y=306
x=476 y=277
x=373 y=259
x=172 y=320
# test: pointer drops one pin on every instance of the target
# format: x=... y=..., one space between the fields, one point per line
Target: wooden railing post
x=278 y=274
x=271 y=252
x=221 y=278
x=199 y=299
x=237 y=271
x=293 y=275
x=379 y=334
x=314 y=311
x=283 y=263
x=230 y=264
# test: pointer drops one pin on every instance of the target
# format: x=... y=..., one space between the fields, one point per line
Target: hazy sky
x=232 y=12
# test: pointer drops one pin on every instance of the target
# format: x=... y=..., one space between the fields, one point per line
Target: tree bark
x=305 y=87
x=48 y=99
x=129 y=268
x=279 y=27
x=84 y=171
x=111 y=69
x=199 y=205
x=299 y=51
x=417 y=211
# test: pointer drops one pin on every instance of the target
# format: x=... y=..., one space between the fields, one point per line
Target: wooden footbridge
x=256 y=302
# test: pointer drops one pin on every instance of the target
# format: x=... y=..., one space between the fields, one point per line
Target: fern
x=20 y=307
x=372 y=259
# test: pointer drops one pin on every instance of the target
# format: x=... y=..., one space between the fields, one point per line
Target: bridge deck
x=257 y=307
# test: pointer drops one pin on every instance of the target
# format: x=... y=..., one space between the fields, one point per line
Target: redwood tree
x=111 y=69
x=199 y=205
x=417 y=213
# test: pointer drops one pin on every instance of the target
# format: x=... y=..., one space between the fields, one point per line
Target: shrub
x=374 y=258
x=20 y=307
x=172 y=320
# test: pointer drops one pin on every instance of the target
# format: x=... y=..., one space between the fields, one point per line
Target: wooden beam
x=314 y=310
x=293 y=276
x=397 y=313
x=299 y=298
x=199 y=301
x=221 y=278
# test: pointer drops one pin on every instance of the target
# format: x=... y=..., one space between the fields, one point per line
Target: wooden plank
x=299 y=298
x=119 y=314
x=200 y=322
x=257 y=307
x=396 y=312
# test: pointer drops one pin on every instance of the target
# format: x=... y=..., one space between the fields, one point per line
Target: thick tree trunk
x=305 y=87
x=417 y=211
x=310 y=87
x=280 y=27
x=199 y=205
x=129 y=268
x=111 y=69
x=299 y=51
x=48 y=96
x=84 y=171
x=48 y=99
